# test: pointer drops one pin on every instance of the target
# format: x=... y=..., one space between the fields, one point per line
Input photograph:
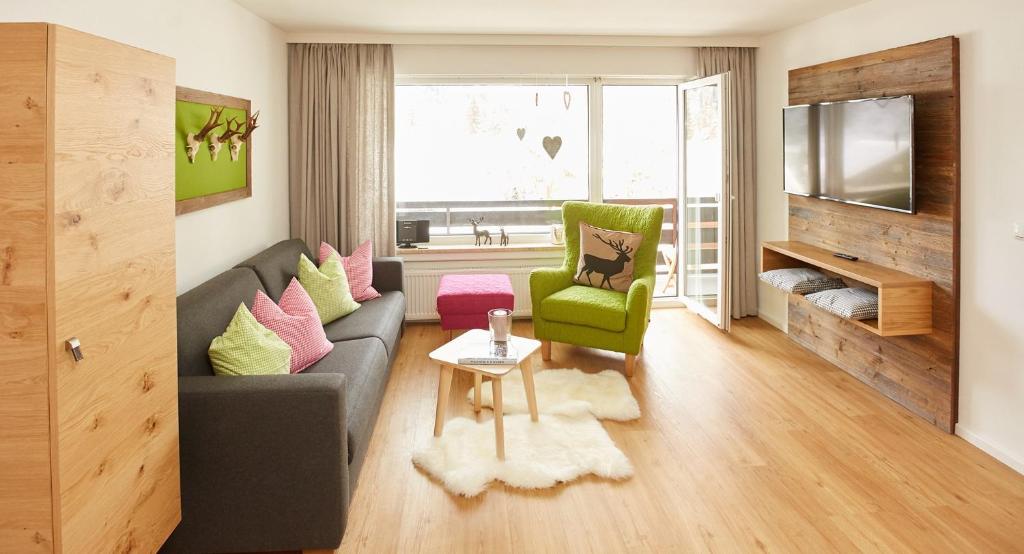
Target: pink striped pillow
x=295 y=320
x=358 y=269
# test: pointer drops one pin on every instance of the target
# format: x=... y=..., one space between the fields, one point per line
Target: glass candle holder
x=500 y=322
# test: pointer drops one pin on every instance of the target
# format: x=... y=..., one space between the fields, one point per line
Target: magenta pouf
x=464 y=300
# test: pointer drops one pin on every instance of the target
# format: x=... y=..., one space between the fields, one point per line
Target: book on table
x=489 y=353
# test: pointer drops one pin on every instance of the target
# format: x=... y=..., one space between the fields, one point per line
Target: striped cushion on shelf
x=801 y=280
x=851 y=303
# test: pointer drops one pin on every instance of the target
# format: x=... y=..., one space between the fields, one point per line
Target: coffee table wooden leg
x=444 y=388
x=478 y=382
x=531 y=392
x=499 y=420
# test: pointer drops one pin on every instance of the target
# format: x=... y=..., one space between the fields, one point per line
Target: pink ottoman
x=464 y=300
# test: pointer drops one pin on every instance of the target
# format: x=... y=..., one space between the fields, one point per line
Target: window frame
x=595 y=121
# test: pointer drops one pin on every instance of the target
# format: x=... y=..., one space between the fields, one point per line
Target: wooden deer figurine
x=482 y=235
x=194 y=140
x=606 y=267
x=233 y=128
x=504 y=238
x=237 y=140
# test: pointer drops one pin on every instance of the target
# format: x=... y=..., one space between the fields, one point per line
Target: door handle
x=74 y=346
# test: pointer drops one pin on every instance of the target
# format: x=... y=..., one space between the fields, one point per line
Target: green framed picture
x=212 y=149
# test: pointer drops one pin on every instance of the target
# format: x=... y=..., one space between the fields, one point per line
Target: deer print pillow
x=606 y=257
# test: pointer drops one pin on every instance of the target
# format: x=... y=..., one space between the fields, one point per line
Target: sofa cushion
x=296 y=321
x=588 y=306
x=365 y=365
x=276 y=265
x=358 y=267
x=381 y=318
x=328 y=287
x=249 y=348
x=205 y=311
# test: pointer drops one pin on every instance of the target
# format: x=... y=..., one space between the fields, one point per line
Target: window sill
x=469 y=249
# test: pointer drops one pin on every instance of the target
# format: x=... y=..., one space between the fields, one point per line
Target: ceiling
x=687 y=18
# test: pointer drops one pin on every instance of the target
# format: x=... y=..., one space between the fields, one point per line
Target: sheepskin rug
x=556 y=449
x=565 y=444
x=606 y=395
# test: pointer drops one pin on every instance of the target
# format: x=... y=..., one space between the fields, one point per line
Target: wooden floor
x=747 y=443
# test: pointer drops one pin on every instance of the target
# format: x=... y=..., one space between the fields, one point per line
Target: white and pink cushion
x=358 y=268
x=295 y=320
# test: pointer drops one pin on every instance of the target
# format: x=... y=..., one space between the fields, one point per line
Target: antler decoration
x=194 y=140
x=233 y=128
x=237 y=140
x=616 y=245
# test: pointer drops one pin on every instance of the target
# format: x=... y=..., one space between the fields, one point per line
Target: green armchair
x=598 y=318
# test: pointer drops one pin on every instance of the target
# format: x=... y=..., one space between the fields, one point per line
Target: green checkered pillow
x=248 y=348
x=328 y=287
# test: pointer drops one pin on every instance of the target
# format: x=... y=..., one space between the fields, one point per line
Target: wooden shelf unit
x=904 y=300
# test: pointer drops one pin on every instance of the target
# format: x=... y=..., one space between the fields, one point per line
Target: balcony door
x=704 y=199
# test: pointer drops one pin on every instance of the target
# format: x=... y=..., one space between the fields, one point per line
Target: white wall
x=219 y=47
x=992 y=261
x=544 y=60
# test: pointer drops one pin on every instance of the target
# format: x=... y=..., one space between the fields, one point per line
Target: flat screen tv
x=858 y=152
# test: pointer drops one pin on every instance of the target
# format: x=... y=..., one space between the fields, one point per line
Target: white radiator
x=421 y=290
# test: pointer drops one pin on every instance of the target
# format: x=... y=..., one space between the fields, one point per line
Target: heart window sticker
x=552 y=145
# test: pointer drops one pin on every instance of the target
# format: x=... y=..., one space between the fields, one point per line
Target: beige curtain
x=341 y=143
x=739 y=64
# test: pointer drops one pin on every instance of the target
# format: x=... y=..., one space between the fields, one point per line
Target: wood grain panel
x=919 y=372
x=114 y=250
x=26 y=517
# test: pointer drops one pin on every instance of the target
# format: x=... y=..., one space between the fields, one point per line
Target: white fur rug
x=556 y=449
x=565 y=444
x=606 y=395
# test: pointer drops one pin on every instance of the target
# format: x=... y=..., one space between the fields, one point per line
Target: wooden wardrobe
x=89 y=448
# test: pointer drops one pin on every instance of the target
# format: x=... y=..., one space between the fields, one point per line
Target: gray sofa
x=268 y=463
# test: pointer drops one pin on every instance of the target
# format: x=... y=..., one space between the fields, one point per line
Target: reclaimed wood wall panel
x=919 y=372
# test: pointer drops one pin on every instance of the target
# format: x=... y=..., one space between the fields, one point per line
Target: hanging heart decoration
x=567 y=99
x=521 y=132
x=552 y=145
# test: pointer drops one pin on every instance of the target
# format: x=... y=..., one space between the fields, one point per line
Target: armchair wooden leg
x=545 y=350
x=630 y=364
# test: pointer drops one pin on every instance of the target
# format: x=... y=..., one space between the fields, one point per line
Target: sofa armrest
x=388 y=274
x=264 y=463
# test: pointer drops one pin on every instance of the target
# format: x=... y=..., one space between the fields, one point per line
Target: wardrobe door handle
x=74 y=346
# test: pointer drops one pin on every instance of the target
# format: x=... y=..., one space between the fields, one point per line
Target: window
x=459 y=154
x=640 y=160
x=641 y=142
x=477 y=149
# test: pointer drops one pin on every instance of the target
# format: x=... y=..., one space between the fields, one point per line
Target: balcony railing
x=536 y=217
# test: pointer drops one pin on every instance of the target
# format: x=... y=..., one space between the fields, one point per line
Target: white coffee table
x=448 y=356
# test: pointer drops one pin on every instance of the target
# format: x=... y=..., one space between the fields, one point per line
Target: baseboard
x=988 y=448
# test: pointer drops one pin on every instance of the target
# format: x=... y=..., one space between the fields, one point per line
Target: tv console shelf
x=904 y=300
